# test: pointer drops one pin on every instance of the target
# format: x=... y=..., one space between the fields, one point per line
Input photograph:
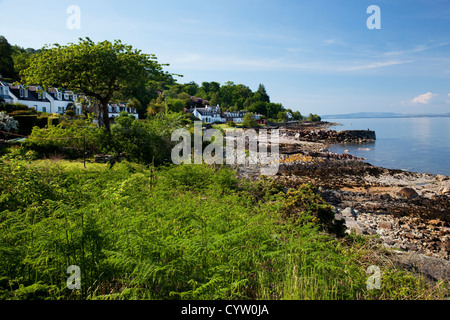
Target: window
x=44 y=109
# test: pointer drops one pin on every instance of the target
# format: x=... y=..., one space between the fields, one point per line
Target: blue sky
x=312 y=56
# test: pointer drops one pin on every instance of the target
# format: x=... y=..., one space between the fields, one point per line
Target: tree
x=263 y=96
x=297 y=115
x=249 y=120
x=282 y=116
x=6 y=60
x=314 y=118
x=98 y=70
x=21 y=58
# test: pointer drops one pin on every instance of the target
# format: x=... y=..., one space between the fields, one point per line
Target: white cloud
x=423 y=98
x=374 y=65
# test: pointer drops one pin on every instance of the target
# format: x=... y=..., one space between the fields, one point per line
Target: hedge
x=26 y=124
x=11 y=107
x=53 y=121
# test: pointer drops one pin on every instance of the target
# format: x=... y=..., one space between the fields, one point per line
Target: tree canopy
x=6 y=60
x=98 y=70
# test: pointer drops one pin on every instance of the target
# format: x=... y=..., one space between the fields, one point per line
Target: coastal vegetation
x=178 y=232
x=108 y=72
x=138 y=227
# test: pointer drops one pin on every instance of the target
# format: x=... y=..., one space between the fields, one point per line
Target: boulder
x=432 y=268
x=385 y=225
x=349 y=212
x=408 y=193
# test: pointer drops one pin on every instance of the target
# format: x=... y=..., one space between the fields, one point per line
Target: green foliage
x=314 y=118
x=99 y=70
x=70 y=113
x=26 y=123
x=249 y=120
x=6 y=60
x=12 y=107
x=144 y=141
x=53 y=121
x=180 y=232
x=282 y=116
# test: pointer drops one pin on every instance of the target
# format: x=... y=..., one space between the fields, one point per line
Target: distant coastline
x=368 y=115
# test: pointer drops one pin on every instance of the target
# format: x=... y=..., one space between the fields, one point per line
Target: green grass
x=184 y=232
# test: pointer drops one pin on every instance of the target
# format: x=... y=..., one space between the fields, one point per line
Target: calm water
x=412 y=144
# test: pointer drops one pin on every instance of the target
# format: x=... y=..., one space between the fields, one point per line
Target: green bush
x=70 y=113
x=26 y=123
x=30 y=111
x=42 y=121
x=11 y=107
x=53 y=121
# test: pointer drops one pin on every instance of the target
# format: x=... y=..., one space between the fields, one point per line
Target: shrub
x=26 y=124
x=53 y=121
x=70 y=113
x=28 y=112
x=11 y=107
x=7 y=123
x=42 y=121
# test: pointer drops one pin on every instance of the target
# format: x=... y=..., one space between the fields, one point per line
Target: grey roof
x=32 y=95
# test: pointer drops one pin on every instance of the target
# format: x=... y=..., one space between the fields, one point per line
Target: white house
x=61 y=100
x=214 y=115
x=235 y=116
x=32 y=97
x=209 y=114
x=51 y=101
x=115 y=110
x=4 y=93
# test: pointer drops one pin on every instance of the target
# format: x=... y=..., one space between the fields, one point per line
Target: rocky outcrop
x=332 y=136
x=408 y=212
x=431 y=268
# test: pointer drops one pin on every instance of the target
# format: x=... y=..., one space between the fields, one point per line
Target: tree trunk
x=105 y=115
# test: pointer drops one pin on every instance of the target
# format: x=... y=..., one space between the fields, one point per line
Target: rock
x=445 y=191
x=385 y=225
x=349 y=212
x=354 y=226
x=369 y=231
x=432 y=268
x=408 y=193
x=436 y=222
x=409 y=235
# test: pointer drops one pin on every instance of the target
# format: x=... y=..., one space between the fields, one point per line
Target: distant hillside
x=361 y=115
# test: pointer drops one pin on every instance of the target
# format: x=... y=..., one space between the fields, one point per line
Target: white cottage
x=33 y=97
x=209 y=115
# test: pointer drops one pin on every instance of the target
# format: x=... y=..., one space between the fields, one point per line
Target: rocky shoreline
x=408 y=212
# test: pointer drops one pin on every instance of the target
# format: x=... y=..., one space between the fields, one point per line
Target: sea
x=409 y=144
